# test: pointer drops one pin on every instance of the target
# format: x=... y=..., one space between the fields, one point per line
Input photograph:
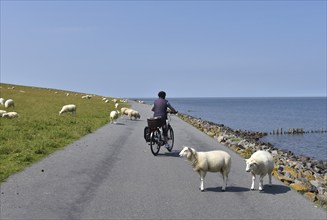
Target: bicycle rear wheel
x=154 y=142
x=170 y=140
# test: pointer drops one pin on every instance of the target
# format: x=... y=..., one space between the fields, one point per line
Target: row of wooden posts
x=295 y=131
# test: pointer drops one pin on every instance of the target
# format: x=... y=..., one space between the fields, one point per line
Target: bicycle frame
x=156 y=134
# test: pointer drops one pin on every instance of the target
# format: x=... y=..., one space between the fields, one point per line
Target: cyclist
x=160 y=108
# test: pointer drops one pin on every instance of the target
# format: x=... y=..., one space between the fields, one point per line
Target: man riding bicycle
x=160 y=107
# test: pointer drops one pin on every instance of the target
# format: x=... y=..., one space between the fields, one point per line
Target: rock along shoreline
x=303 y=174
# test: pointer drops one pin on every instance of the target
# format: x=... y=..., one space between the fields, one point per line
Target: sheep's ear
x=190 y=149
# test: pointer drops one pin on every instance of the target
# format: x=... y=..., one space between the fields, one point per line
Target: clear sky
x=187 y=48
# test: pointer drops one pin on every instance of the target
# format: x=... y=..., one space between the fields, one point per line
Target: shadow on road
x=173 y=153
x=118 y=123
x=275 y=189
x=228 y=189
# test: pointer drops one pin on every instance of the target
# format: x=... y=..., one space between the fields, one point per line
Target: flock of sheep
x=9 y=103
x=71 y=108
x=260 y=163
x=131 y=113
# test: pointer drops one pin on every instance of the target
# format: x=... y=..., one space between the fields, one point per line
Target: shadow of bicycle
x=173 y=153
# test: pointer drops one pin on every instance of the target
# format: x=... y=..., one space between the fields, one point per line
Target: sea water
x=266 y=115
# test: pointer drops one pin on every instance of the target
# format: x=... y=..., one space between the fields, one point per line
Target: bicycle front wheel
x=170 y=139
x=154 y=142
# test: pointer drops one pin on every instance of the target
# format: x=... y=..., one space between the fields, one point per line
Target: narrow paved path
x=111 y=174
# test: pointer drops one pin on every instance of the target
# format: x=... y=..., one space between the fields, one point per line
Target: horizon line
x=208 y=97
x=174 y=97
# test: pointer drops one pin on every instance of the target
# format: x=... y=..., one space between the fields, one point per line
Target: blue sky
x=187 y=48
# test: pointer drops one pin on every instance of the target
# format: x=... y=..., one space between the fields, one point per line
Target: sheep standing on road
x=260 y=163
x=122 y=110
x=211 y=161
x=9 y=103
x=114 y=116
x=134 y=114
x=68 y=108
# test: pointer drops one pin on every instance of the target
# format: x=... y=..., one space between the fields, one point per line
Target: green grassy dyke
x=39 y=130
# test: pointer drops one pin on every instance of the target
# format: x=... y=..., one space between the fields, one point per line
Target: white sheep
x=68 y=108
x=114 y=115
x=116 y=105
x=9 y=103
x=210 y=161
x=10 y=115
x=2 y=112
x=260 y=163
x=122 y=110
x=134 y=114
x=86 y=97
x=2 y=101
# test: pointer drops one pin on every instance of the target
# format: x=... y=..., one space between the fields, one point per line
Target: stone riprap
x=303 y=174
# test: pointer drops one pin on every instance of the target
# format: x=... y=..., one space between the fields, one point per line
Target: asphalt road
x=111 y=174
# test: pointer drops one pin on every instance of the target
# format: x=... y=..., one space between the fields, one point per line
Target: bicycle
x=153 y=134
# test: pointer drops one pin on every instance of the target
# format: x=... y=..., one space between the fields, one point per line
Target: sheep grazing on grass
x=260 y=163
x=114 y=116
x=2 y=112
x=211 y=161
x=68 y=108
x=86 y=97
x=134 y=114
x=9 y=103
x=116 y=105
x=2 y=101
x=10 y=115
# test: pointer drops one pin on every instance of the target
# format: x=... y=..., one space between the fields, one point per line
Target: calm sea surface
x=266 y=114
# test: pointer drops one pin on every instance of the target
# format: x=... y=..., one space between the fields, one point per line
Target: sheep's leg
x=225 y=178
x=261 y=183
x=202 y=176
x=253 y=180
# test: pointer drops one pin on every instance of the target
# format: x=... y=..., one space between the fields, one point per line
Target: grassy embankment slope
x=39 y=130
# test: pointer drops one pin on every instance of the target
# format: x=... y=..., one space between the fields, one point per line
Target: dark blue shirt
x=160 y=108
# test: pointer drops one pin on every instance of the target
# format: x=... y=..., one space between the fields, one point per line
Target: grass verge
x=39 y=130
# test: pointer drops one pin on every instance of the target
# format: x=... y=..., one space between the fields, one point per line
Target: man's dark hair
x=162 y=94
